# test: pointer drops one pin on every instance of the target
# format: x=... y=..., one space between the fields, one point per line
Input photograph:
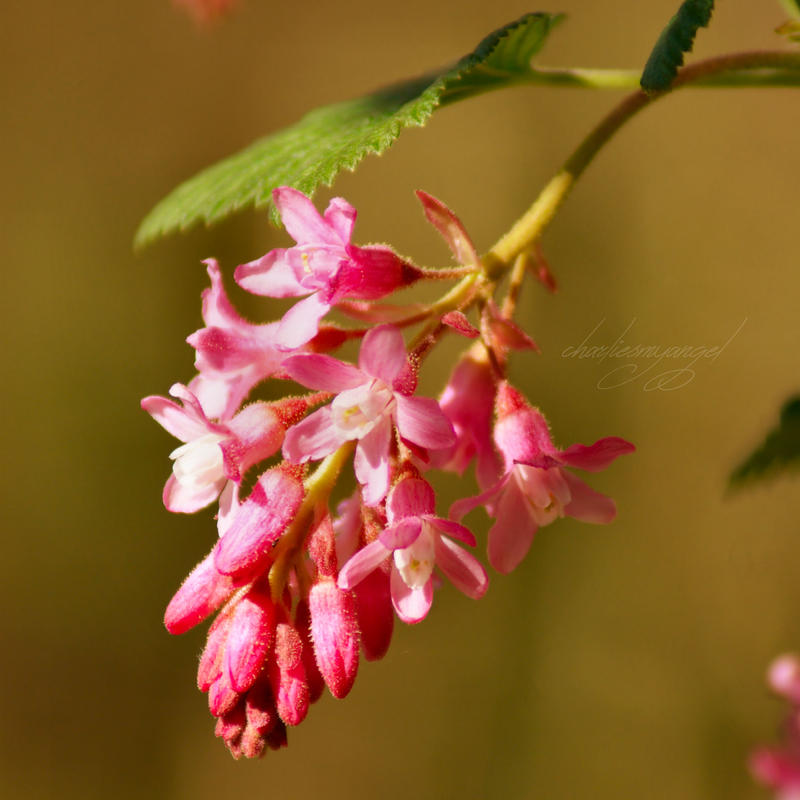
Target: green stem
x=527 y=230
x=318 y=488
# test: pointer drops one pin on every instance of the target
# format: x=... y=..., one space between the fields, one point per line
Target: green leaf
x=779 y=451
x=790 y=29
x=792 y=7
x=675 y=40
x=328 y=140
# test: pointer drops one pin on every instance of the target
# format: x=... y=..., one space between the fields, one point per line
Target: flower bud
x=202 y=593
x=250 y=638
x=334 y=631
x=288 y=676
x=375 y=612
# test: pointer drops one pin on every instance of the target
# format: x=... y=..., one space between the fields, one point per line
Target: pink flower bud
x=260 y=710
x=375 y=612
x=258 y=523
x=334 y=631
x=314 y=679
x=210 y=666
x=202 y=593
x=288 y=676
x=250 y=638
x=221 y=695
x=322 y=546
x=231 y=726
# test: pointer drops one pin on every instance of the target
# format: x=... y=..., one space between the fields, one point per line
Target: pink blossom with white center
x=370 y=399
x=233 y=355
x=535 y=489
x=213 y=453
x=323 y=265
x=419 y=541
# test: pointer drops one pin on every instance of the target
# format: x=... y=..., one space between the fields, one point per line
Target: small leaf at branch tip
x=460 y=324
x=676 y=39
x=328 y=140
x=779 y=451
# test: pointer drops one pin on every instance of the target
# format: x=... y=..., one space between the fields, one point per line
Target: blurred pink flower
x=778 y=767
x=206 y=11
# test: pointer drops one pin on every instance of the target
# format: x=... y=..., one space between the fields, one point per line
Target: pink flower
x=213 y=453
x=419 y=541
x=323 y=265
x=370 y=399
x=535 y=489
x=468 y=402
x=233 y=355
x=206 y=11
x=778 y=767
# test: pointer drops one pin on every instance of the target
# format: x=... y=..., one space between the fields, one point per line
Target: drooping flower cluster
x=300 y=592
x=778 y=767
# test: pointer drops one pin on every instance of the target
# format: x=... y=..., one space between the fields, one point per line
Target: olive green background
x=617 y=662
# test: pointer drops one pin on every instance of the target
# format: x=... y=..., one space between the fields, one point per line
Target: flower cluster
x=778 y=767
x=301 y=590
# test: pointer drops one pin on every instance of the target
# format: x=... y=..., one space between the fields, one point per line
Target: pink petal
x=272 y=275
x=180 y=422
x=301 y=219
x=362 y=563
x=371 y=462
x=383 y=353
x=462 y=568
x=371 y=272
x=402 y=534
x=187 y=499
x=451 y=229
x=258 y=523
x=410 y=498
x=300 y=323
x=597 y=456
x=453 y=529
x=458 y=321
x=324 y=373
x=588 y=505
x=421 y=421
x=511 y=536
x=313 y=438
x=341 y=216
x=411 y=605
x=462 y=507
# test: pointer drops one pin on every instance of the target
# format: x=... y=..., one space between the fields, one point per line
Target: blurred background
x=621 y=661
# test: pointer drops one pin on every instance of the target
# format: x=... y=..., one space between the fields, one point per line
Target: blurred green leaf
x=790 y=29
x=792 y=7
x=675 y=40
x=779 y=451
x=330 y=139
